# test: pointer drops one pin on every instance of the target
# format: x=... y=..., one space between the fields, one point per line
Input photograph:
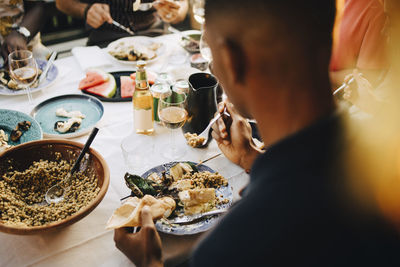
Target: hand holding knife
x=123 y=27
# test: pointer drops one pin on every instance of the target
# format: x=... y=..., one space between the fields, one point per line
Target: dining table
x=87 y=242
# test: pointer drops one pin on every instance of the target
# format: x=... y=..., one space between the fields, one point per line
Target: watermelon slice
x=151 y=77
x=127 y=86
x=93 y=77
x=106 y=89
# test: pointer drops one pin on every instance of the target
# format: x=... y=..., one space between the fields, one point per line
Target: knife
x=337 y=91
x=123 y=27
x=195 y=217
x=48 y=65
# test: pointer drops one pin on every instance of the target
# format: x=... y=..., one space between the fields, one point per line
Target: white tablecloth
x=87 y=243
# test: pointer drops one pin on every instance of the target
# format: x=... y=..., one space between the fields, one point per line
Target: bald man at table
x=297 y=209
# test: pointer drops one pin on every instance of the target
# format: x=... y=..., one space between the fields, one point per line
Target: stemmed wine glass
x=198 y=11
x=23 y=70
x=172 y=114
x=205 y=50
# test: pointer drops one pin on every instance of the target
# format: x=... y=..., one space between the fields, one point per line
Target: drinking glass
x=23 y=70
x=198 y=11
x=176 y=56
x=205 y=50
x=173 y=115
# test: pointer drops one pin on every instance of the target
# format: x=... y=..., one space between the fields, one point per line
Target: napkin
x=91 y=57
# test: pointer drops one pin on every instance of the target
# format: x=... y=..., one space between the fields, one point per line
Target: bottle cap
x=159 y=89
x=181 y=86
x=141 y=64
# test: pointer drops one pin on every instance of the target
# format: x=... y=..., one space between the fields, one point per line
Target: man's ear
x=234 y=61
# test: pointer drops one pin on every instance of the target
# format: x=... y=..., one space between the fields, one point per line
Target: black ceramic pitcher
x=201 y=102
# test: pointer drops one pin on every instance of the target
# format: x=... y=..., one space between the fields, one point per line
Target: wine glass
x=172 y=114
x=205 y=50
x=176 y=56
x=23 y=70
x=198 y=11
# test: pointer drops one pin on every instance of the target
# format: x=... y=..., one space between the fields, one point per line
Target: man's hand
x=234 y=137
x=144 y=247
x=360 y=93
x=98 y=14
x=14 y=41
x=168 y=10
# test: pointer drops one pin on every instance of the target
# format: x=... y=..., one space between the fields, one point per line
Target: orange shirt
x=361 y=42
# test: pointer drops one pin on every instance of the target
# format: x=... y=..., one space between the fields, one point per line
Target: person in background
x=99 y=14
x=364 y=94
x=361 y=42
x=299 y=208
x=20 y=23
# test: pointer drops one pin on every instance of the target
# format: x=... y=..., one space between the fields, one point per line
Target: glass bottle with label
x=142 y=102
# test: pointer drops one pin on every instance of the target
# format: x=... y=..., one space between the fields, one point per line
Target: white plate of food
x=129 y=50
x=5 y=79
x=190 y=41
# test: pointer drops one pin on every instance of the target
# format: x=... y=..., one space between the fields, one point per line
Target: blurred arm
x=34 y=18
x=71 y=7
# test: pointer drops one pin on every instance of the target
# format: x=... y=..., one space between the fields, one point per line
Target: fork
x=205 y=133
x=188 y=219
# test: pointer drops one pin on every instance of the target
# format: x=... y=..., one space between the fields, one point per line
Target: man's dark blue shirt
x=298 y=211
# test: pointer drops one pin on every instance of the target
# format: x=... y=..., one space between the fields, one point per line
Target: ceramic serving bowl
x=23 y=156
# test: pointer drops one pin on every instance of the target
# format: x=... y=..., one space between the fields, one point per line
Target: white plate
x=143 y=40
x=52 y=75
x=183 y=42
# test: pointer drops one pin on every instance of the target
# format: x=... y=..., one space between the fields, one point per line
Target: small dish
x=45 y=114
x=9 y=119
x=197 y=61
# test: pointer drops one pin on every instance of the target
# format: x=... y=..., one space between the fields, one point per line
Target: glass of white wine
x=23 y=70
x=173 y=115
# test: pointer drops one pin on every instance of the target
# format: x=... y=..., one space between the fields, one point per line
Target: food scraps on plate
x=183 y=190
x=133 y=52
x=73 y=123
x=15 y=135
x=7 y=81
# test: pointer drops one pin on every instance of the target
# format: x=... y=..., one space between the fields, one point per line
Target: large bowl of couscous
x=26 y=173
